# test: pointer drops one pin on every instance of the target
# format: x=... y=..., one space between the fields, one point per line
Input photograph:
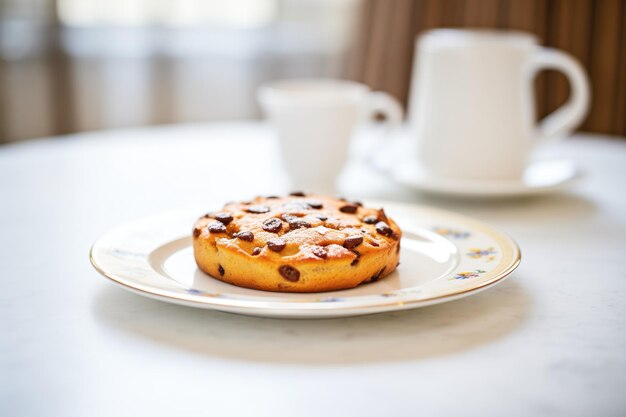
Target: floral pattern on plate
x=488 y=253
x=453 y=233
x=468 y=274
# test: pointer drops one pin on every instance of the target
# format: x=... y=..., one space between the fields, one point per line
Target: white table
x=549 y=341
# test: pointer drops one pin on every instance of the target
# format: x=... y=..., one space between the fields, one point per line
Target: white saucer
x=541 y=176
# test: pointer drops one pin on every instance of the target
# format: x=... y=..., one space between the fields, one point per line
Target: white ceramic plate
x=444 y=256
x=540 y=177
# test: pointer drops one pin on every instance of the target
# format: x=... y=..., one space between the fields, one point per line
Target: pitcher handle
x=564 y=120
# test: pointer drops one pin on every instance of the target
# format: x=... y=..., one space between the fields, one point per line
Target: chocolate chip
x=272 y=197
x=256 y=251
x=395 y=236
x=384 y=229
x=224 y=218
x=379 y=274
x=374 y=243
x=289 y=273
x=257 y=209
x=320 y=252
x=298 y=224
x=354 y=262
x=247 y=236
x=208 y=215
x=382 y=216
x=276 y=244
x=217 y=227
x=297 y=194
x=220 y=269
x=348 y=208
x=376 y=276
x=352 y=241
x=315 y=204
x=370 y=219
x=322 y=218
x=196 y=232
x=289 y=217
x=272 y=225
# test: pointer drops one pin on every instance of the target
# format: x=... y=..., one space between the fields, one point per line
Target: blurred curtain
x=594 y=31
x=73 y=65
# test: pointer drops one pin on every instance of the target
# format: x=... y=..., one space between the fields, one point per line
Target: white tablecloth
x=550 y=341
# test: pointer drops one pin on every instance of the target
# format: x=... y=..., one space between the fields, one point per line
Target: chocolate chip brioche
x=299 y=243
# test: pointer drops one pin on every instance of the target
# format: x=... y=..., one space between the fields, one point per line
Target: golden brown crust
x=296 y=244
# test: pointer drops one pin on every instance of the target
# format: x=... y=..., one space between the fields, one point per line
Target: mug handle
x=564 y=120
x=381 y=102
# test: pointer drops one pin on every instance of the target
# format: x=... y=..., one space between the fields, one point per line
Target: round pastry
x=299 y=243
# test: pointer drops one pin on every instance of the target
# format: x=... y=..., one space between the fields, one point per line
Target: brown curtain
x=594 y=31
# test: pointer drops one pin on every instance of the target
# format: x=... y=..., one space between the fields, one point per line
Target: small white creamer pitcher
x=314 y=121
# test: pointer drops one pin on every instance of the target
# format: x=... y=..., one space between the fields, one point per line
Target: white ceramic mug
x=314 y=120
x=472 y=107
